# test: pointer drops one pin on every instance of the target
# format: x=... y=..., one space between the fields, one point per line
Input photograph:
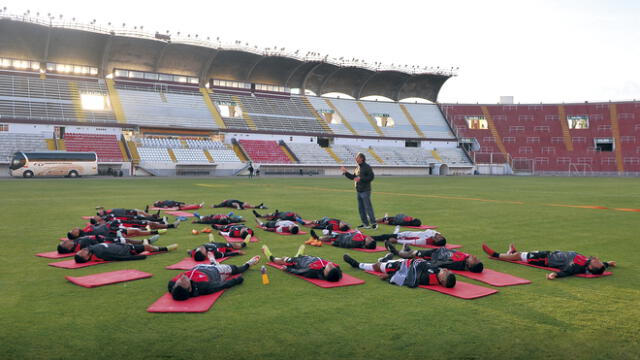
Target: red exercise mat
x=188 y=263
x=462 y=290
x=234 y=239
x=113 y=277
x=448 y=246
x=202 y=303
x=606 y=273
x=347 y=280
x=492 y=277
x=72 y=264
x=54 y=255
x=179 y=213
x=285 y=234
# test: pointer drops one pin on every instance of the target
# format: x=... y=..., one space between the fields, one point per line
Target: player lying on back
x=311 y=267
x=442 y=257
x=207 y=279
x=408 y=272
x=569 y=262
x=238 y=205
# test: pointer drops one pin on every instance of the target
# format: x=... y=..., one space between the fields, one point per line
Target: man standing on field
x=363 y=176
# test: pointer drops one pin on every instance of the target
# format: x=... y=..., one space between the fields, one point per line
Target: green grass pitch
x=45 y=317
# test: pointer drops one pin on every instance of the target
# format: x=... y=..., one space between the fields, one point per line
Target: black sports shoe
x=256 y=213
x=351 y=261
x=314 y=235
x=374 y=226
x=392 y=249
x=386 y=258
x=363 y=226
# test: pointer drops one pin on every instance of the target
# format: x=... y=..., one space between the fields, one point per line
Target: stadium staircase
x=320 y=120
x=333 y=155
x=562 y=114
x=615 y=130
x=345 y=122
x=114 y=98
x=75 y=99
x=494 y=130
x=436 y=156
x=375 y=156
x=245 y=114
x=292 y=157
x=371 y=120
x=411 y=121
x=212 y=108
x=237 y=148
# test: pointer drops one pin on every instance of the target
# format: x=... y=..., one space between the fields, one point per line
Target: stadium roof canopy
x=106 y=49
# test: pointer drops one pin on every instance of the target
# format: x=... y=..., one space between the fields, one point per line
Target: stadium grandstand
x=152 y=105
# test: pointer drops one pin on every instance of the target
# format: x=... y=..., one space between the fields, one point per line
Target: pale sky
x=536 y=51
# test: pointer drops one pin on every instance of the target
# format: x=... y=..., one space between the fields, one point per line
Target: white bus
x=53 y=163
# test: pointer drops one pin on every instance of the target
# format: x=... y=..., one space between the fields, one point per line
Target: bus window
x=18 y=161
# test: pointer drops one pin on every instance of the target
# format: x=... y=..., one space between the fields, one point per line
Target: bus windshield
x=18 y=161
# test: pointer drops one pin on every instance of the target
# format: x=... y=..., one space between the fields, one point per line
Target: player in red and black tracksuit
x=72 y=246
x=408 y=272
x=109 y=230
x=279 y=226
x=168 y=204
x=124 y=214
x=235 y=231
x=207 y=279
x=68 y=246
x=567 y=262
x=281 y=215
x=348 y=240
x=237 y=204
x=327 y=223
x=218 y=249
x=400 y=219
x=135 y=223
x=117 y=252
x=311 y=267
x=217 y=219
x=442 y=257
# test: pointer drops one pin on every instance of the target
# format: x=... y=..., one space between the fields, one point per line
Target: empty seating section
x=273 y=113
x=223 y=155
x=190 y=150
x=358 y=121
x=104 y=145
x=230 y=122
x=321 y=106
x=32 y=98
x=154 y=154
x=12 y=142
x=153 y=108
x=453 y=156
x=159 y=142
x=190 y=156
x=347 y=153
x=264 y=151
x=430 y=121
x=539 y=134
x=401 y=127
x=404 y=156
x=311 y=153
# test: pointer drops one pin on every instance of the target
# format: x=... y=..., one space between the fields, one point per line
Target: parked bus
x=53 y=163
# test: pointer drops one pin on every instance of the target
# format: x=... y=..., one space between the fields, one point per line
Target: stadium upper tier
x=105 y=49
x=599 y=137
